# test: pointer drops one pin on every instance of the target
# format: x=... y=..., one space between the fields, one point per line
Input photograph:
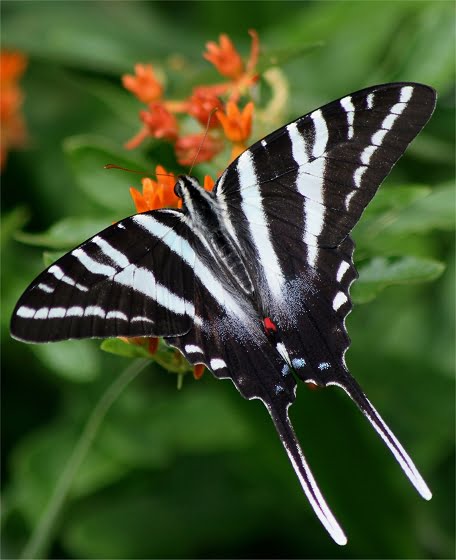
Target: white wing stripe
x=60 y=275
x=406 y=94
x=91 y=265
x=252 y=207
x=116 y=256
x=348 y=107
x=321 y=134
x=298 y=144
x=183 y=249
x=378 y=137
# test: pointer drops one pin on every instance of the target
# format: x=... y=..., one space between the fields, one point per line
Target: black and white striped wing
x=135 y=278
x=292 y=199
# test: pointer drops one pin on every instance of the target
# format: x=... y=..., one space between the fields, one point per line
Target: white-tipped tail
x=354 y=391
x=308 y=483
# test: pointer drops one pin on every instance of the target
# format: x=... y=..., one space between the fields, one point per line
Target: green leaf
x=395 y=198
x=11 y=222
x=436 y=211
x=124 y=349
x=64 y=234
x=109 y=188
x=396 y=214
x=50 y=257
x=39 y=460
x=382 y=272
x=75 y=360
x=166 y=356
x=278 y=57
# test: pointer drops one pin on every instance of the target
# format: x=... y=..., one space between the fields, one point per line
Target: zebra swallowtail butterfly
x=253 y=279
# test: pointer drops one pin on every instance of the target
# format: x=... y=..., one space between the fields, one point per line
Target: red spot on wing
x=269 y=325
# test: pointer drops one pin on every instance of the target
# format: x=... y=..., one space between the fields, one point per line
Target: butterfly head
x=192 y=194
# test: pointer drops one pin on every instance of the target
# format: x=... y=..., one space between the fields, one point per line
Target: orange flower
x=208 y=183
x=143 y=84
x=12 y=66
x=12 y=127
x=159 y=123
x=196 y=148
x=156 y=194
x=225 y=57
x=202 y=103
x=229 y=63
x=237 y=125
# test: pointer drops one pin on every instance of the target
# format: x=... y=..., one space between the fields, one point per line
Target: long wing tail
x=291 y=444
x=354 y=391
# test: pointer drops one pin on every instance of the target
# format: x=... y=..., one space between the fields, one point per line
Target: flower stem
x=41 y=536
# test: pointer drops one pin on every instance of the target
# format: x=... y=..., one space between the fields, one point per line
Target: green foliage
x=199 y=472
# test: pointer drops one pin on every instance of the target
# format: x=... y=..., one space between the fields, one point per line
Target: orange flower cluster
x=160 y=193
x=12 y=126
x=213 y=106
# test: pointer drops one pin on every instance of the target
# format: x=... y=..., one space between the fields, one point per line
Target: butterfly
x=252 y=279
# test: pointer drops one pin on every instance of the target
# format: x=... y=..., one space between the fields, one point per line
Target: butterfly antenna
x=115 y=166
x=211 y=114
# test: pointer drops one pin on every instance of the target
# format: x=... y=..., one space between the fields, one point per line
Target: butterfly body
x=253 y=278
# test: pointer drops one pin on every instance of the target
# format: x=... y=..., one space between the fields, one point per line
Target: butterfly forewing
x=135 y=278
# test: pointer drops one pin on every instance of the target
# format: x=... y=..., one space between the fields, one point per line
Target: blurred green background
x=200 y=473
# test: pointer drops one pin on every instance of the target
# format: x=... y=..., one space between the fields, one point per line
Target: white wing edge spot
x=95 y=310
x=75 y=311
x=389 y=121
x=217 y=363
x=46 y=288
x=339 y=300
x=193 y=349
x=344 y=266
x=367 y=153
x=57 y=313
x=377 y=137
x=117 y=315
x=140 y=318
x=359 y=175
x=25 y=312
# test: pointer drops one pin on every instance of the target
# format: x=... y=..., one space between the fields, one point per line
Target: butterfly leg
x=291 y=444
x=354 y=391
